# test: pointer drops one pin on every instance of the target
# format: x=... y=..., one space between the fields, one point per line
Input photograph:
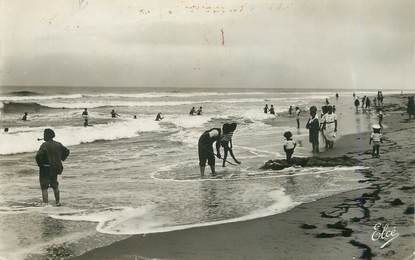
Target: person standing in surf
x=297 y=116
x=205 y=149
x=114 y=114
x=226 y=142
x=266 y=109
x=329 y=127
x=159 y=117
x=289 y=146
x=85 y=113
x=24 y=118
x=49 y=158
x=271 y=110
x=313 y=127
x=356 y=104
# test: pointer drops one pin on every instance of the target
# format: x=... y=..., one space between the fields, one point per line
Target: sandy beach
x=337 y=227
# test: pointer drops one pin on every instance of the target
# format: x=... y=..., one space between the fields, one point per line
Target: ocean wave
x=26 y=140
x=39 y=97
x=123 y=103
x=15 y=107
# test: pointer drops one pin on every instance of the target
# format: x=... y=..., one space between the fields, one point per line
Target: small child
x=376 y=138
x=289 y=145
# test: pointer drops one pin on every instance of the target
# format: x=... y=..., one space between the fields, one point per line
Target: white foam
x=131 y=221
x=171 y=94
x=85 y=103
x=26 y=141
x=25 y=98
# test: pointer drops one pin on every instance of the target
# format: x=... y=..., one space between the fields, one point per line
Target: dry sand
x=338 y=227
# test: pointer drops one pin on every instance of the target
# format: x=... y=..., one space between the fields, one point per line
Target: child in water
x=376 y=138
x=289 y=145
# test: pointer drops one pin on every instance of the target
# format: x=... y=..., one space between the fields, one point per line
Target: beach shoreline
x=340 y=226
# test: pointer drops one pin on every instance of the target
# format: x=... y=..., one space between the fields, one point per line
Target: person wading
x=49 y=158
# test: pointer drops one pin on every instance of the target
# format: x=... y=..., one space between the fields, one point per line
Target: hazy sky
x=282 y=44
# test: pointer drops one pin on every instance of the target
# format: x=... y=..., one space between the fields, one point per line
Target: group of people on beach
x=51 y=153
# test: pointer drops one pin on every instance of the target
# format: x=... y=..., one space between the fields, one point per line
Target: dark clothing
x=357 y=102
x=24 y=118
x=205 y=148
x=272 y=111
x=313 y=127
x=289 y=154
x=47 y=180
x=158 y=117
x=49 y=159
x=375 y=150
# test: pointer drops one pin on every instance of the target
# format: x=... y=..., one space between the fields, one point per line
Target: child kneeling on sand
x=376 y=138
x=289 y=145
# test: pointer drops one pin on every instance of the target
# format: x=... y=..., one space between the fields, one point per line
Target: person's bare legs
x=225 y=155
x=202 y=171
x=45 y=198
x=57 y=197
x=212 y=168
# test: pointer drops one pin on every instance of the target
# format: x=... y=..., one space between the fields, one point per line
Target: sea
x=128 y=176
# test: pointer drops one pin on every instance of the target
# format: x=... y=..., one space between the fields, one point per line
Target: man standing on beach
x=205 y=149
x=313 y=127
x=49 y=159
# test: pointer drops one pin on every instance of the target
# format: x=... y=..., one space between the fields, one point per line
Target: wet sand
x=338 y=227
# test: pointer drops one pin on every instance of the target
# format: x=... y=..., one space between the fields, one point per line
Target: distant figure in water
x=329 y=127
x=363 y=102
x=380 y=98
x=368 y=103
x=356 y=104
x=135 y=117
x=49 y=158
x=271 y=110
x=199 y=111
x=159 y=117
x=192 y=111
x=380 y=117
x=114 y=114
x=86 y=122
x=327 y=101
x=290 y=110
x=6 y=129
x=313 y=127
x=289 y=146
x=24 y=118
x=266 y=109
x=377 y=139
x=337 y=95
x=205 y=149
x=297 y=116
x=354 y=95
x=226 y=142
x=85 y=113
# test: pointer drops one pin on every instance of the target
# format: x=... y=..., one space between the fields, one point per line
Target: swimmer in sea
x=159 y=117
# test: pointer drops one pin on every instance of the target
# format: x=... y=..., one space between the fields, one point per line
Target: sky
x=345 y=44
